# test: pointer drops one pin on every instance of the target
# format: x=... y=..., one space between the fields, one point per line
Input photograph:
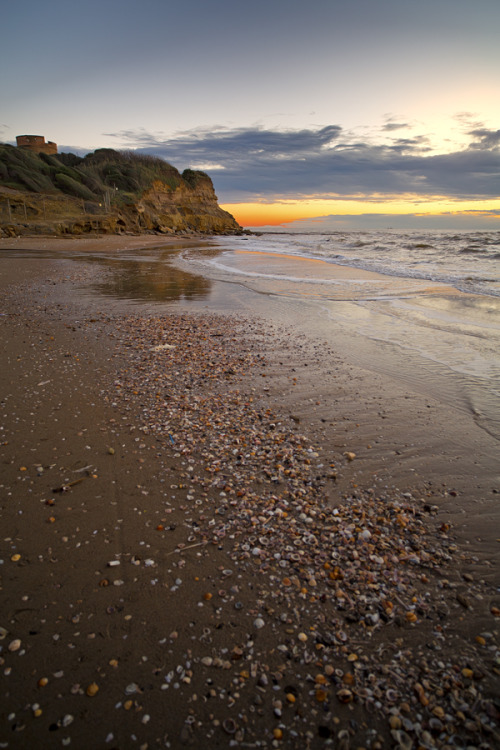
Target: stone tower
x=36 y=143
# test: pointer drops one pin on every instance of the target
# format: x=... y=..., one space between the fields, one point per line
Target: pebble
x=132 y=688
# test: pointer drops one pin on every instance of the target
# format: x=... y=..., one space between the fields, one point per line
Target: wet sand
x=198 y=550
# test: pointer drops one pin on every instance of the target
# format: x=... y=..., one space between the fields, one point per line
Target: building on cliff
x=36 y=143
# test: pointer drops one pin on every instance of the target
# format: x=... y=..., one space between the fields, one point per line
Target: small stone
x=132 y=688
x=92 y=689
x=395 y=722
x=258 y=623
x=302 y=637
x=15 y=645
x=461 y=599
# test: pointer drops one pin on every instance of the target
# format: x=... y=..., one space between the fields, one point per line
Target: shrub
x=193 y=177
x=91 y=181
x=34 y=181
x=50 y=160
x=68 y=160
x=71 y=186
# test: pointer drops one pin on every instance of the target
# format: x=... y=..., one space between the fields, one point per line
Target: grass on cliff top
x=122 y=175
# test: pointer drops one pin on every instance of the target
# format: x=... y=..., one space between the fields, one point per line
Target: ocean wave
x=462 y=260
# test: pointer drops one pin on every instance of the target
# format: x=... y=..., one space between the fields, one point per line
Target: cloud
x=238 y=143
x=420 y=143
x=486 y=139
x=389 y=126
x=258 y=164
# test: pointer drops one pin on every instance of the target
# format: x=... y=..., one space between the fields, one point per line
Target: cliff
x=105 y=192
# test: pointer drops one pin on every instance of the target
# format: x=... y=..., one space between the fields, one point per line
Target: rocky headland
x=105 y=192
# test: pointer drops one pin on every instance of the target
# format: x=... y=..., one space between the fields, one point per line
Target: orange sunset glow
x=284 y=212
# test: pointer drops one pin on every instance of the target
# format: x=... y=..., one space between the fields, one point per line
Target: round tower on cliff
x=36 y=143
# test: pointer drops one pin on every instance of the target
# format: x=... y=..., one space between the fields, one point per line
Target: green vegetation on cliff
x=90 y=177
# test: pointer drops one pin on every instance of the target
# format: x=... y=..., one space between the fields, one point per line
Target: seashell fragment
x=229 y=726
x=404 y=740
x=345 y=695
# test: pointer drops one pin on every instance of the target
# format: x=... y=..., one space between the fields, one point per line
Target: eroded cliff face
x=185 y=208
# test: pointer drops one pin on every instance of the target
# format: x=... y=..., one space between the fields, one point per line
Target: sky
x=308 y=116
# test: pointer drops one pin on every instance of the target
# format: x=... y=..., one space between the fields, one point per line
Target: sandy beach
x=218 y=532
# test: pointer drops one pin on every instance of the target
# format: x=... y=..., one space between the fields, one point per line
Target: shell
x=229 y=726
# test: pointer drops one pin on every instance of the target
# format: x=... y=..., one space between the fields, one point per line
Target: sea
x=468 y=261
